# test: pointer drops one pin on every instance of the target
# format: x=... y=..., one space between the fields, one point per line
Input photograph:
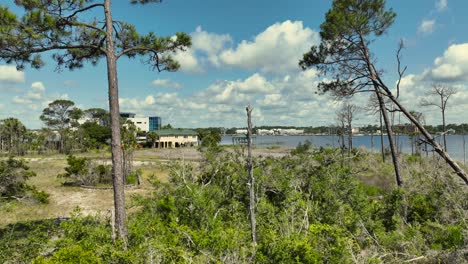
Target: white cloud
x=281 y=100
x=450 y=69
x=10 y=74
x=166 y=83
x=20 y=100
x=276 y=50
x=210 y=43
x=441 y=5
x=32 y=96
x=427 y=26
x=35 y=98
x=239 y=91
x=452 y=66
x=156 y=100
x=273 y=100
x=38 y=87
x=149 y=100
x=188 y=61
x=255 y=84
x=204 y=51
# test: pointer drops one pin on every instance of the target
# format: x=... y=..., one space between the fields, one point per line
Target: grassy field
x=63 y=199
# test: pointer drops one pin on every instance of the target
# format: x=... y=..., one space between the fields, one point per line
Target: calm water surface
x=454 y=142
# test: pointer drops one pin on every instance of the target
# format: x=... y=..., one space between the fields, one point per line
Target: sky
x=247 y=52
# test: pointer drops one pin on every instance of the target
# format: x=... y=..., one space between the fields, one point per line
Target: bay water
x=455 y=144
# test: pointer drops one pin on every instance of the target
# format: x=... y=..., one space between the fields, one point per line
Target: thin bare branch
x=85 y=9
x=401 y=71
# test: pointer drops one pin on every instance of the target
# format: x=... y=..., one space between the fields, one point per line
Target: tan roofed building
x=174 y=138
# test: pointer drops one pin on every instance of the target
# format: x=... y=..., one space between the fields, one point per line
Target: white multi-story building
x=144 y=124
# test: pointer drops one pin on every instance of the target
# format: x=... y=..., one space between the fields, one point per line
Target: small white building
x=241 y=131
x=265 y=132
x=291 y=131
x=355 y=130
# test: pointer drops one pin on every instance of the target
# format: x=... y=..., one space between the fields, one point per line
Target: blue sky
x=247 y=52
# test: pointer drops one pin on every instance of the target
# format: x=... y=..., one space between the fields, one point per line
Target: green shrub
x=22 y=242
x=391 y=209
x=82 y=171
x=133 y=178
x=422 y=207
x=302 y=148
x=444 y=237
x=321 y=244
x=41 y=196
x=13 y=176
x=103 y=173
x=77 y=170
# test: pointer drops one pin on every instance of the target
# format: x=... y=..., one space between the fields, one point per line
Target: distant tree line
x=366 y=129
x=67 y=128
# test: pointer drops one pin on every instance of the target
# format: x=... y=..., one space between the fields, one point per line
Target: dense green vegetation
x=315 y=206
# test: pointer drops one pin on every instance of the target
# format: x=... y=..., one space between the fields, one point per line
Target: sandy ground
x=192 y=154
x=64 y=199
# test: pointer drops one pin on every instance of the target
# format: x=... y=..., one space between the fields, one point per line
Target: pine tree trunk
x=390 y=136
x=251 y=176
x=383 y=109
x=382 y=147
x=117 y=154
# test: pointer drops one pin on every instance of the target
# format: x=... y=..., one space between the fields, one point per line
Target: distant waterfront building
x=274 y=131
x=263 y=132
x=174 y=138
x=241 y=131
x=291 y=132
x=145 y=124
x=154 y=123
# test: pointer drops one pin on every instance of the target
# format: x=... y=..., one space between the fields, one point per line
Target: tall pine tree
x=61 y=28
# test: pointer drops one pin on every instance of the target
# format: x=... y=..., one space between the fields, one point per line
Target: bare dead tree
x=341 y=120
x=414 y=135
x=251 y=175
x=443 y=94
x=346 y=115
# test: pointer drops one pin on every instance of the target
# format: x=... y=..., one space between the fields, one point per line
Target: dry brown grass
x=63 y=199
